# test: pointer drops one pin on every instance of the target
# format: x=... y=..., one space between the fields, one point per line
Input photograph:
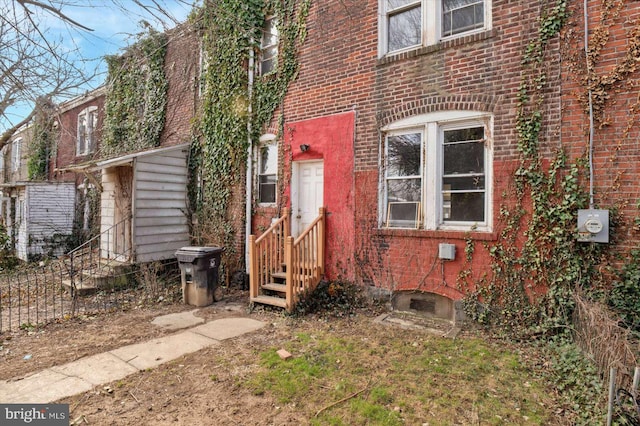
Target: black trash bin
x=199 y=272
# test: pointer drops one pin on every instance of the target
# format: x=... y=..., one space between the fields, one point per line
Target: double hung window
x=16 y=154
x=87 y=124
x=267 y=172
x=404 y=20
x=269 y=46
x=404 y=178
x=463 y=176
x=409 y=24
x=460 y=16
x=437 y=173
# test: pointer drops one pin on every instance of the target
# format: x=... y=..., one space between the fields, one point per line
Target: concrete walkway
x=84 y=374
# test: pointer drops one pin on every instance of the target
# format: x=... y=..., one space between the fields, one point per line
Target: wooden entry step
x=280 y=288
x=270 y=300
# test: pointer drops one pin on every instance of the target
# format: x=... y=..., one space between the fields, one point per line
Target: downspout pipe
x=249 y=180
x=591 y=126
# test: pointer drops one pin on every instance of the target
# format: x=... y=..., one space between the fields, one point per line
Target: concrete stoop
x=415 y=321
x=110 y=275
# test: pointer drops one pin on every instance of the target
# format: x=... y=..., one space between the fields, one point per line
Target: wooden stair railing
x=285 y=266
x=266 y=254
x=304 y=258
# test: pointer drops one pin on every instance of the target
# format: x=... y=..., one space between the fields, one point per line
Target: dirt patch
x=203 y=388
x=25 y=351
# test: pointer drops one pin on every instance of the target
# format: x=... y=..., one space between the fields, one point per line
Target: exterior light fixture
x=304 y=147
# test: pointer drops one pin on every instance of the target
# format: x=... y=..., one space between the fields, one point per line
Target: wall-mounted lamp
x=304 y=147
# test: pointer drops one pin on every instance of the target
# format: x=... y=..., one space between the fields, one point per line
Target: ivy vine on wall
x=136 y=99
x=537 y=263
x=42 y=142
x=231 y=29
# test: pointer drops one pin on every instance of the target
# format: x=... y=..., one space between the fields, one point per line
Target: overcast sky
x=114 y=24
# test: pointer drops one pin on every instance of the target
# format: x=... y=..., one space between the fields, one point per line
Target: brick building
x=139 y=194
x=406 y=113
x=614 y=46
x=36 y=210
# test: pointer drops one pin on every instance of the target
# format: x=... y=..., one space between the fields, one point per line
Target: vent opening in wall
x=427 y=304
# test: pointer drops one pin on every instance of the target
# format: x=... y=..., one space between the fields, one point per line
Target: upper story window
x=269 y=46
x=459 y=16
x=267 y=170
x=203 y=63
x=437 y=172
x=409 y=24
x=16 y=146
x=87 y=125
x=404 y=23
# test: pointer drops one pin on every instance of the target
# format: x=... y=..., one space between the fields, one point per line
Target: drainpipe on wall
x=249 y=181
x=591 y=127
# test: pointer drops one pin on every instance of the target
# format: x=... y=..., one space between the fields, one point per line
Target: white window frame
x=272 y=47
x=203 y=63
x=432 y=127
x=431 y=21
x=2 y=165
x=86 y=145
x=388 y=178
x=16 y=147
x=266 y=141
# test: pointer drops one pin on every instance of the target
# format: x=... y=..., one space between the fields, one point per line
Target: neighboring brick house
x=136 y=200
x=47 y=211
x=404 y=113
x=79 y=124
x=37 y=211
x=150 y=187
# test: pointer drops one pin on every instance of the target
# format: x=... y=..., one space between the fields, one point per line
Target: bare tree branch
x=35 y=65
x=53 y=10
x=7 y=134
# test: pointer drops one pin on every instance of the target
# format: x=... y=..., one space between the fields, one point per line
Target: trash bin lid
x=198 y=250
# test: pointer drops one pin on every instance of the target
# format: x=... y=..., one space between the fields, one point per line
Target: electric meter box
x=446 y=251
x=593 y=226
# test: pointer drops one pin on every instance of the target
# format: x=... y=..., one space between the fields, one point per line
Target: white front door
x=309 y=196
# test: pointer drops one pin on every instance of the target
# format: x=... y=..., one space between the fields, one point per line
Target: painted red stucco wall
x=331 y=139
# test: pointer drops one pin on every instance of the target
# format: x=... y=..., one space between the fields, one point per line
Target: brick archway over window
x=485 y=103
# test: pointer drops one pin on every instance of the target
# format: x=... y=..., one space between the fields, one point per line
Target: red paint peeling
x=330 y=138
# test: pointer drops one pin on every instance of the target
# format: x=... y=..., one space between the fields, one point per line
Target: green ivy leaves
x=537 y=249
x=231 y=30
x=136 y=99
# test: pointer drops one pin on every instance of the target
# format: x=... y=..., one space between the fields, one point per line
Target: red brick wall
x=67 y=138
x=616 y=152
x=182 y=62
x=330 y=138
x=182 y=68
x=340 y=71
